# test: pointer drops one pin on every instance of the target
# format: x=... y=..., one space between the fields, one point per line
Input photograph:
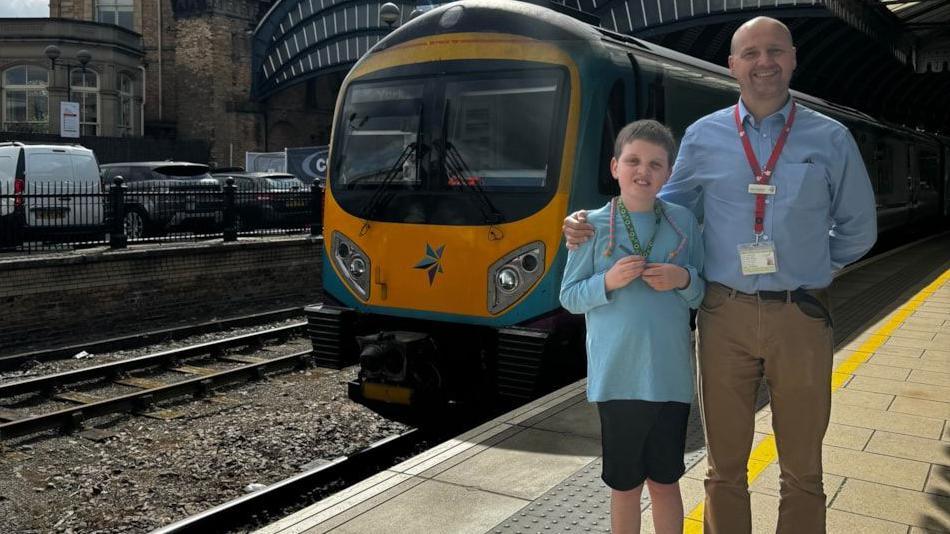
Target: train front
x=446 y=191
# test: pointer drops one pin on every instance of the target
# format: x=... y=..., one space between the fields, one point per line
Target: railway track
x=13 y=361
x=69 y=386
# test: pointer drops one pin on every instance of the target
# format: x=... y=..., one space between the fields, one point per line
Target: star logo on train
x=431 y=262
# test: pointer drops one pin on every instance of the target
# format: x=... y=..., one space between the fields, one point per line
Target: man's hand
x=626 y=270
x=577 y=230
x=665 y=276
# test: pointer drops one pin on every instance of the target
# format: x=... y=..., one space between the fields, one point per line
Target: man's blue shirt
x=822 y=215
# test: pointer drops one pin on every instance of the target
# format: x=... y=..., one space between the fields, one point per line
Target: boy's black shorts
x=641 y=440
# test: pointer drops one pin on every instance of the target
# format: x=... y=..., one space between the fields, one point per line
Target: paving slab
x=865 y=399
x=923 y=376
x=914 y=390
x=847 y=436
x=921 y=362
x=913 y=334
x=914 y=425
x=434 y=506
x=913 y=448
x=882 y=371
x=581 y=419
x=899 y=351
x=526 y=464
x=899 y=472
x=938 y=483
x=893 y=504
x=925 y=408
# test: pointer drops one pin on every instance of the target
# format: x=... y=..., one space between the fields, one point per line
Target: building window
x=117 y=12
x=25 y=99
x=84 y=84
x=124 y=123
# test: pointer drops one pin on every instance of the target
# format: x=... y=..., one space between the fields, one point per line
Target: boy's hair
x=647 y=130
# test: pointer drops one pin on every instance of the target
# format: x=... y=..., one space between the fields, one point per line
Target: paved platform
x=536 y=469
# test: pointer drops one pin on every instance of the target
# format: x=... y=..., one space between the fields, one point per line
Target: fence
x=60 y=215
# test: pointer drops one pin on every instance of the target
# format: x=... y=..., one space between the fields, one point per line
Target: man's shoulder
x=715 y=118
x=819 y=119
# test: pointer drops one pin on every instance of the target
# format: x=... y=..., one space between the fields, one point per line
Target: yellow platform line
x=766 y=453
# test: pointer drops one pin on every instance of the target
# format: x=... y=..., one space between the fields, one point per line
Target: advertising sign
x=69 y=119
x=308 y=163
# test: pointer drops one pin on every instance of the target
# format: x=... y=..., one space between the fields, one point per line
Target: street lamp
x=389 y=13
x=83 y=56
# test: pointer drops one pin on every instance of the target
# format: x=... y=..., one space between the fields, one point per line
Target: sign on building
x=69 y=119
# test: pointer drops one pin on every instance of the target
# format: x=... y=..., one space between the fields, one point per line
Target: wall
x=98 y=294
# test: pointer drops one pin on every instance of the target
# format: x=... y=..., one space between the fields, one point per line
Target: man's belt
x=806 y=302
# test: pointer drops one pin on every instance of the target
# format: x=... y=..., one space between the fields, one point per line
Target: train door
x=945 y=188
x=927 y=193
x=892 y=183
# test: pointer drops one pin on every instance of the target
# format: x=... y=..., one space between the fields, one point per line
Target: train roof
x=551 y=21
x=536 y=19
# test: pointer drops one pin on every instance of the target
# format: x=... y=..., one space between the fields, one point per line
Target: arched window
x=25 y=99
x=84 y=85
x=124 y=122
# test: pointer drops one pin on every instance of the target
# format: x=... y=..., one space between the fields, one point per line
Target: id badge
x=757 y=258
x=762 y=189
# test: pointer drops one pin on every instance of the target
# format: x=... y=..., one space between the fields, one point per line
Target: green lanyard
x=632 y=232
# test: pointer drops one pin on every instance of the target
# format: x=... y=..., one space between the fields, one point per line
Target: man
x=785 y=200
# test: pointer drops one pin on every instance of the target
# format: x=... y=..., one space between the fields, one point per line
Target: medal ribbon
x=632 y=232
x=763 y=174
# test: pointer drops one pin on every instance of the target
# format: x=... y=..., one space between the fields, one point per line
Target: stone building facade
x=197 y=56
x=108 y=86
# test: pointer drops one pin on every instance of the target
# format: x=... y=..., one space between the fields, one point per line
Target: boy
x=635 y=282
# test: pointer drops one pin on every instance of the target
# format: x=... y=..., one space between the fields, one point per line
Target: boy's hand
x=626 y=270
x=665 y=276
x=576 y=229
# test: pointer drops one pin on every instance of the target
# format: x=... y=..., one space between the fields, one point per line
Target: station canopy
x=888 y=58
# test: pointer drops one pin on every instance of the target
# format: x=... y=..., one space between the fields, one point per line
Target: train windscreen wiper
x=459 y=172
x=380 y=195
x=456 y=170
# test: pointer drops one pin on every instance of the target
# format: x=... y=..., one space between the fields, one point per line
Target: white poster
x=265 y=161
x=69 y=119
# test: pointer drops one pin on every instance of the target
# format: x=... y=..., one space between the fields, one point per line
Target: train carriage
x=460 y=142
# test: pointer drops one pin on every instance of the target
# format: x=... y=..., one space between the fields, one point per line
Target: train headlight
x=357 y=267
x=352 y=263
x=508 y=279
x=513 y=275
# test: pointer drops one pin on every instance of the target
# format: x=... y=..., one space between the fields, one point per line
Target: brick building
x=197 y=58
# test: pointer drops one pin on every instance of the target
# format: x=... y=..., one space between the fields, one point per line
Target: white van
x=48 y=192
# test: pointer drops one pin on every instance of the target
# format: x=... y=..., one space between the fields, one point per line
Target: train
x=459 y=144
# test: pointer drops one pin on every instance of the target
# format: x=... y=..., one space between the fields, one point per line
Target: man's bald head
x=754 y=23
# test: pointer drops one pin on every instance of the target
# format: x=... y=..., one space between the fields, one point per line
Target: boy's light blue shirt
x=638 y=342
x=821 y=218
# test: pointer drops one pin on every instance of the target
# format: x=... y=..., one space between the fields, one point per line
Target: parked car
x=48 y=193
x=166 y=195
x=268 y=199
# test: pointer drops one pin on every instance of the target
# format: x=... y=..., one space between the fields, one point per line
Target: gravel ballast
x=142 y=473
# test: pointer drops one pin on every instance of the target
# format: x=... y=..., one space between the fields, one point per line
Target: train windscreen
x=460 y=149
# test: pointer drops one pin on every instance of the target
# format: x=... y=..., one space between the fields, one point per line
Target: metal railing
x=61 y=215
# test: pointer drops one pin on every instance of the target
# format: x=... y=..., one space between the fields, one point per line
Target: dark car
x=162 y=196
x=268 y=199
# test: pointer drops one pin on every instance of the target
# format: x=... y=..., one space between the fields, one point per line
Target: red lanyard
x=763 y=174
